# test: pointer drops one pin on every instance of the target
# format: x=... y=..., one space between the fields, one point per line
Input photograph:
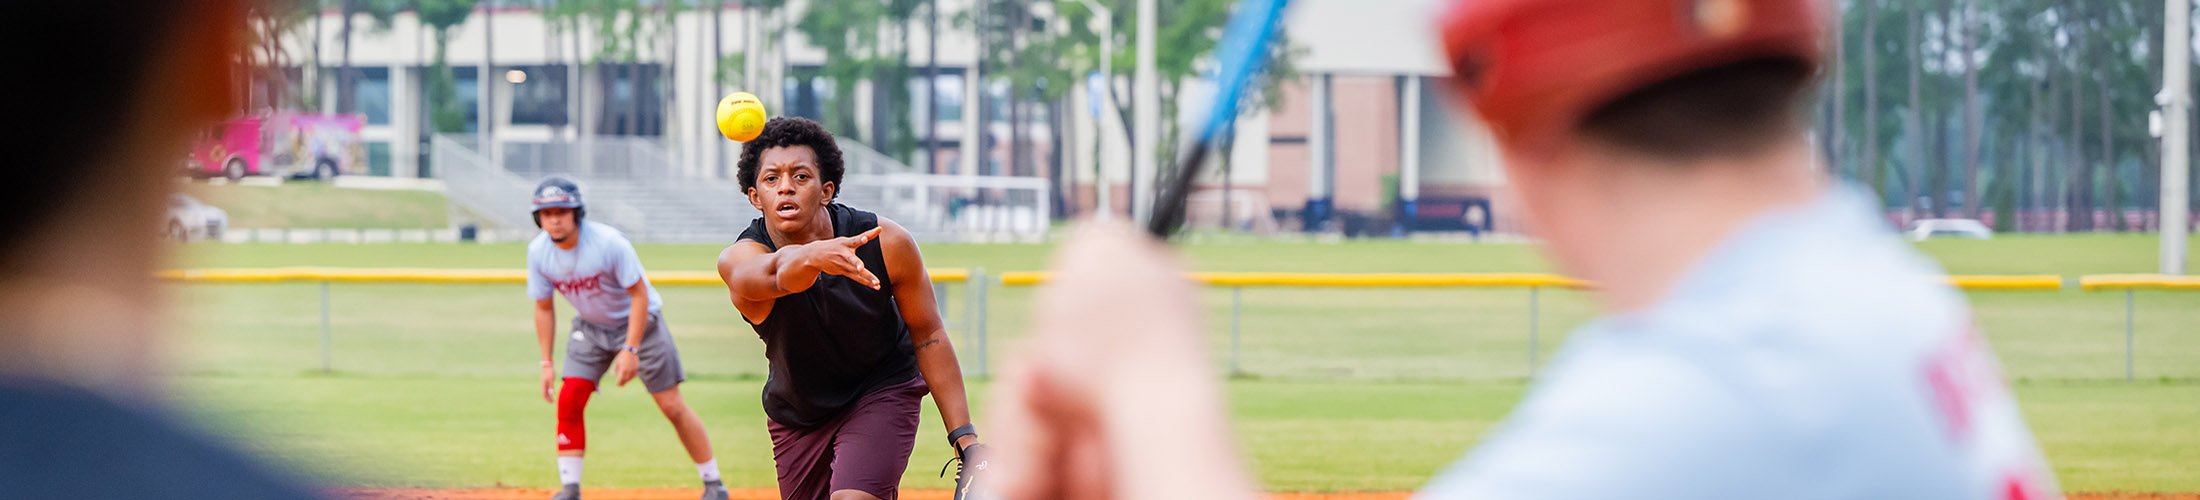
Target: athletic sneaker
x=715 y=490
x=571 y=492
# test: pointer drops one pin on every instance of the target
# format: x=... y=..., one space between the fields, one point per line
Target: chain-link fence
x=1352 y=327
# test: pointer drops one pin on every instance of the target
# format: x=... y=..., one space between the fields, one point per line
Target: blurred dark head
x=104 y=96
x=1731 y=109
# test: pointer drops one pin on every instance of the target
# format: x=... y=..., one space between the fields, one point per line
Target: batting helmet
x=558 y=192
x=1533 y=69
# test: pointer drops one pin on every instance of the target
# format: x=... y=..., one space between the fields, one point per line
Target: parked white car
x=1925 y=229
x=190 y=220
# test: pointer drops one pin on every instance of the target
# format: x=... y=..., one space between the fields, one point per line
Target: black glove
x=970 y=470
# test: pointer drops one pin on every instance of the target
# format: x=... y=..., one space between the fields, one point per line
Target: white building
x=1389 y=133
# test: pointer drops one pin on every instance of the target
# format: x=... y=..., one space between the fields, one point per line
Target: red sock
x=571 y=401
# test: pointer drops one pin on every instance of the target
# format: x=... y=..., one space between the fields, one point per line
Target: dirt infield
x=772 y=494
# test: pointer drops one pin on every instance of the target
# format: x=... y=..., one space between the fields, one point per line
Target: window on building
x=807 y=94
x=468 y=81
x=466 y=99
x=371 y=94
x=288 y=92
x=633 y=103
x=539 y=97
x=297 y=95
x=378 y=158
x=996 y=105
x=948 y=91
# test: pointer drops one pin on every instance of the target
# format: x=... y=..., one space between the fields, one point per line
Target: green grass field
x=1347 y=389
x=319 y=205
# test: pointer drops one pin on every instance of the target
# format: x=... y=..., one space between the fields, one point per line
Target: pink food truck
x=286 y=144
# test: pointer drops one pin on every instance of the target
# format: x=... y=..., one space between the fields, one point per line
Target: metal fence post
x=939 y=295
x=324 y=327
x=978 y=283
x=1236 y=303
x=1533 y=305
x=2127 y=334
x=970 y=306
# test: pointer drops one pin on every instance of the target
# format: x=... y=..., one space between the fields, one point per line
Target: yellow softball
x=741 y=116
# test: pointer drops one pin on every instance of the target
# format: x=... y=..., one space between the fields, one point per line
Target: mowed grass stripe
x=1368 y=389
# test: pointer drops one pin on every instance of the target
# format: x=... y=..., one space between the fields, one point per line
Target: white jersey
x=1810 y=355
x=593 y=276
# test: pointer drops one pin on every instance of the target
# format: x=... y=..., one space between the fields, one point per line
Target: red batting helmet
x=1534 y=68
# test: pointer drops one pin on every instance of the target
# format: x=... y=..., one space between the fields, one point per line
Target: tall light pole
x=1107 y=95
x=483 y=78
x=1148 y=110
x=2176 y=101
x=932 y=88
x=974 y=128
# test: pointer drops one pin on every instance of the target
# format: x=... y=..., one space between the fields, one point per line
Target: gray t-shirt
x=593 y=276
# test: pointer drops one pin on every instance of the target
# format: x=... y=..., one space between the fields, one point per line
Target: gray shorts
x=589 y=351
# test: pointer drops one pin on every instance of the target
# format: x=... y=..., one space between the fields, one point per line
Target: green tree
x=618 y=27
x=1185 y=40
x=384 y=13
x=269 y=23
x=440 y=16
x=867 y=40
x=2038 y=104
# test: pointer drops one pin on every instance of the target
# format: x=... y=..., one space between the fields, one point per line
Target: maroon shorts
x=865 y=449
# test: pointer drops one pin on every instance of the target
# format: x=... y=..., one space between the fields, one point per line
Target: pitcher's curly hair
x=787 y=131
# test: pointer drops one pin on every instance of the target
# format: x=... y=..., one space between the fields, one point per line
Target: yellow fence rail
x=325 y=275
x=428 y=275
x=1533 y=282
x=1349 y=280
x=2131 y=284
x=1027 y=278
x=2017 y=282
x=2138 y=281
x=1492 y=280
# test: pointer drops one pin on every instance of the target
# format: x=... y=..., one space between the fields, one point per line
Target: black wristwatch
x=957 y=434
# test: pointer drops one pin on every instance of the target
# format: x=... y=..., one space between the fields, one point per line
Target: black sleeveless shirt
x=836 y=342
